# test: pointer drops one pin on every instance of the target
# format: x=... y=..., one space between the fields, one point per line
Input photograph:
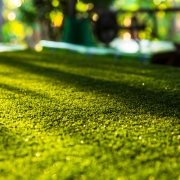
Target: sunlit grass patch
x=70 y=116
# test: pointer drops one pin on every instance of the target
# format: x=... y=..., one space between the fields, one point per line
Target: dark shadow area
x=117 y=65
x=162 y=104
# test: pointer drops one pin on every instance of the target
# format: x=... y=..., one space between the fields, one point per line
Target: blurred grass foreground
x=68 y=116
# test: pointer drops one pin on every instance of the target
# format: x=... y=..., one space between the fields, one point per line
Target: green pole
x=77 y=31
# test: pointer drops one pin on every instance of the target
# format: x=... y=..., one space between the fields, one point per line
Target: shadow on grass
x=140 y=100
x=106 y=63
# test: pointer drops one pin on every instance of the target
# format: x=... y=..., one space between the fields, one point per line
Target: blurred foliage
x=27 y=13
x=50 y=13
x=44 y=7
x=135 y=4
x=100 y=3
x=13 y=32
x=159 y=25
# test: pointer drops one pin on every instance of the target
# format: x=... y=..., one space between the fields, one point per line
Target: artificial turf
x=68 y=116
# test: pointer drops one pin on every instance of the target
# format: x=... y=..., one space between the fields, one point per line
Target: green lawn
x=68 y=116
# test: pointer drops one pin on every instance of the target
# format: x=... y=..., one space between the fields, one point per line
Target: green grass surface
x=67 y=116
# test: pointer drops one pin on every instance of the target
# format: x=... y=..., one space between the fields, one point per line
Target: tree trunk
x=72 y=8
x=69 y=7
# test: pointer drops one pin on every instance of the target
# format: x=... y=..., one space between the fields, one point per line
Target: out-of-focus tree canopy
x=99 y=3
x=42 y=8
x=49 y=15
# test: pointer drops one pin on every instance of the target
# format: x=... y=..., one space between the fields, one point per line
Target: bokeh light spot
x=126 y=36
x=95 y=17
x=58 y=20
x=14 y=3
x=161 y=14
x=38 y=48
x=55 y=3
x=157 y=2
x=38 y=154
x=90 y=6
x=11 y=16
x=82 y=7
x=127 y=21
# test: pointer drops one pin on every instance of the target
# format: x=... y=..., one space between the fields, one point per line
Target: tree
x=68 y=6
x=1 y=19
x=41 y=10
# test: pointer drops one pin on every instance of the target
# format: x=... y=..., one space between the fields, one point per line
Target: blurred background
x=28 y=21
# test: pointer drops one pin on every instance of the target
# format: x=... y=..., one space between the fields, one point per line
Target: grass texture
x=66 y=116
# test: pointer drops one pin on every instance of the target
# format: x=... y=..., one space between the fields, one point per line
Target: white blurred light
x=11 y=16
x=126 y=36
x=16 y=3
x=127 y=46
x=78 y=48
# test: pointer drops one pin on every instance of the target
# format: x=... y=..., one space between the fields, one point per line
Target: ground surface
x=69 y=116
